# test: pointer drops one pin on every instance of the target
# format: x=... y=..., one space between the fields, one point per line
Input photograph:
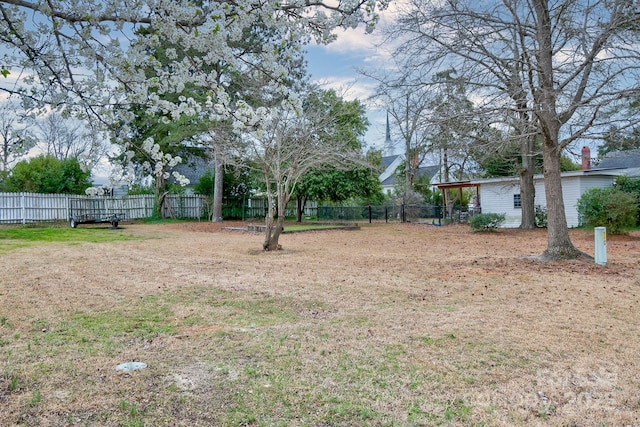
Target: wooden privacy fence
x=21 y=208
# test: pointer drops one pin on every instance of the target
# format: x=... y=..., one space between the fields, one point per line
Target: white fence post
x=23 y=209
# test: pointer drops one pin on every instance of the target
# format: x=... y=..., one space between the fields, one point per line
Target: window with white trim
x=517 y=201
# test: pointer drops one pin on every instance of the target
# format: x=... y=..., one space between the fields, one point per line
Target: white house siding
x=574 y=187
x=496 y=195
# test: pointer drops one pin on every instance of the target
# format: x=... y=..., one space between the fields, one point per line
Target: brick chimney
x=586 y=158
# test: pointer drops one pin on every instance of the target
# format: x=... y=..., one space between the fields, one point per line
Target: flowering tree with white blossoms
x=159 y=165
x=92 y=56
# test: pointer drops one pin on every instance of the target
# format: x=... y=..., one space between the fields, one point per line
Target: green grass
x=13 y=237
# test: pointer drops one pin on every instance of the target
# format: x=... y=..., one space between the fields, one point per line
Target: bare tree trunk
x=218 y=182
x=445 y=164
x=527 y=186
x=160 y=195
x=559 y=244
x=527 y=137
x=273 y=229
x=301 y=201
x=527 y=200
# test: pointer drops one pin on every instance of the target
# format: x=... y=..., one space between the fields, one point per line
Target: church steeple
x=387 y=140
x=388 y=144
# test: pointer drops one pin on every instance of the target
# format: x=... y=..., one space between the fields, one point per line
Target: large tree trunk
x=527 y=200
x=218 y=182
x=559 y=244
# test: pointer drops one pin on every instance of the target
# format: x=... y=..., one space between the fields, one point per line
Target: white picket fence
x=21 y=208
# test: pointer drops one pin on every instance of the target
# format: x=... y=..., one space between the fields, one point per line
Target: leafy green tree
x=628 y=184
x=422 y=185
x=419 y=190
x=46 y=174
x=509 y=161
x=568 y=165
x=332 y=184
x=608 y=207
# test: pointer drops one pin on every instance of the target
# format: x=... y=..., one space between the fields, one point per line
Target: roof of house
x=430 y=171
x=628 y=159
x=388 y=160
x=515 y=179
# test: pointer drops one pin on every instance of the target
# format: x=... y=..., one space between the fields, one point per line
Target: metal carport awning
x=442 y=186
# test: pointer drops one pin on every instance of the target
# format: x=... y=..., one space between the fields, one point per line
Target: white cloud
x=358 y=40
x=335 y=66
x=349 y=87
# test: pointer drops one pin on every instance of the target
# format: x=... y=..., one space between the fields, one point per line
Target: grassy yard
x=391 y=325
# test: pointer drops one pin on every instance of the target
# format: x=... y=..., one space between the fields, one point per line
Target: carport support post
x=601 y=245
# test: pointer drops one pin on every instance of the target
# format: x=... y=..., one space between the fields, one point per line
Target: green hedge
x=608 y=207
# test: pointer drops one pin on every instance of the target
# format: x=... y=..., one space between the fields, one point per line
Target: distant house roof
x=429 y=171
x=629 y=159
x=514 y=179
x=388 y=160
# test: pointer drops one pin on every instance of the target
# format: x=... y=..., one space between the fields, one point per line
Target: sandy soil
x=536 y=343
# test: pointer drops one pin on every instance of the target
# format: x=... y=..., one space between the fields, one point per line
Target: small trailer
x=94 y=210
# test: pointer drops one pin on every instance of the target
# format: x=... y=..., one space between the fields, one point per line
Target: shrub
x=541 y=216
x=630 y=185
x=486 y=221
x=608 y=207
x=47 y=174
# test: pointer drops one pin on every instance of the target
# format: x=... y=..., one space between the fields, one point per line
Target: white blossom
x=180 y=179
x=97 y=191
x=116 y=65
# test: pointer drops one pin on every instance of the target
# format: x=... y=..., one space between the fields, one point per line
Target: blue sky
x=338 y=70
x=336 y=66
